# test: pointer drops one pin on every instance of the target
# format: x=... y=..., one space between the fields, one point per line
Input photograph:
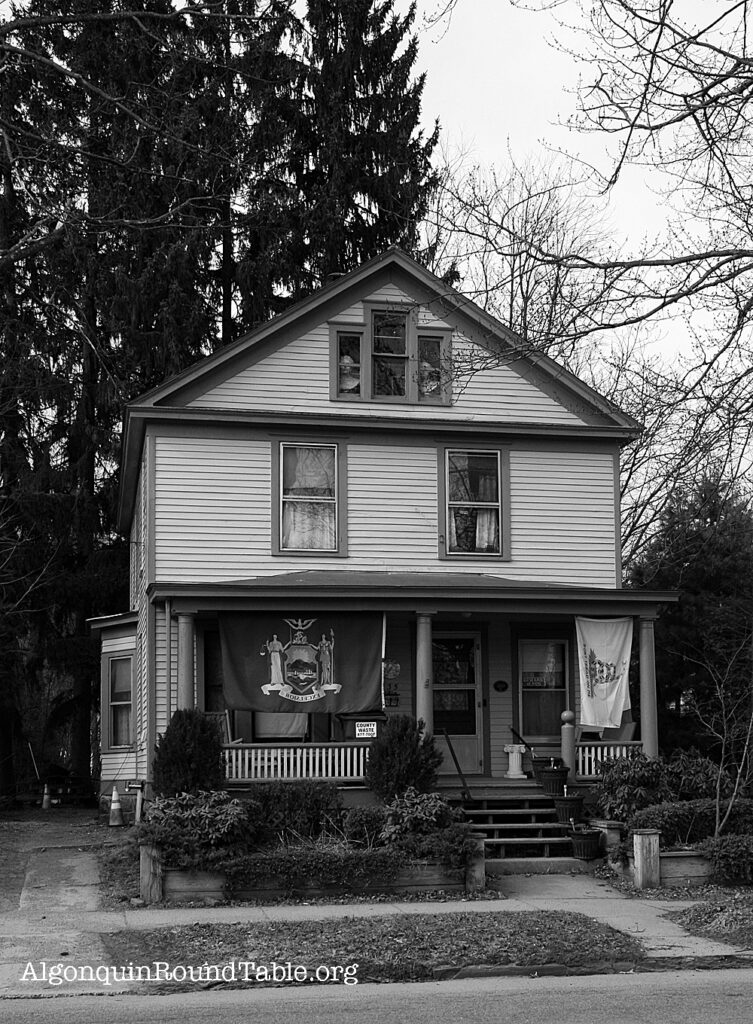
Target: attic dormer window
x=391 y=358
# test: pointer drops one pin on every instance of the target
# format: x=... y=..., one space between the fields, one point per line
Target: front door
x=458 y=700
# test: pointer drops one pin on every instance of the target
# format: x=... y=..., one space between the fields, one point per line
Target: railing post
x=567 y=740
x=647 y=863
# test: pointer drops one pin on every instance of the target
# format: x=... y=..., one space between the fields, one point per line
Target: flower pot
x=567 y=807
x=586 y=843
x=552 y=780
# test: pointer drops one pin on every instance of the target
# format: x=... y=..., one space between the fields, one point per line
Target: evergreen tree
x=359 y=163
x=703 y=549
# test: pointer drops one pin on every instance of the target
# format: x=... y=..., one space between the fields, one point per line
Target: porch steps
x=518 y=824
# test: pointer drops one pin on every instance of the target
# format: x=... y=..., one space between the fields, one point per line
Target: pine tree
x=359 y=162
x=703 y=548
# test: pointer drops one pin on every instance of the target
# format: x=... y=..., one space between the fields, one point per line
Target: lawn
x=414 y=947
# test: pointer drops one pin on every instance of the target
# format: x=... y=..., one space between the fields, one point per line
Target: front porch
x=345 y=763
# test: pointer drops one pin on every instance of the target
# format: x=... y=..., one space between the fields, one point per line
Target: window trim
x=107 y=703
x=414 y=331
x=340 y=449
x=503 y=463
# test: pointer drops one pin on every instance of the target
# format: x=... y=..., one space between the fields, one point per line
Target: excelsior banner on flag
x=603 y=662
x=323 y=663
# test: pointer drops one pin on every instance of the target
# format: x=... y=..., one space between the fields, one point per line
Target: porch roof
x=408 y=591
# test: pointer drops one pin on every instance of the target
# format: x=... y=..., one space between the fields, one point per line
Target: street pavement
x=50 y=908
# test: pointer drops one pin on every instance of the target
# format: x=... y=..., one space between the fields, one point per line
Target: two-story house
x=376 y=503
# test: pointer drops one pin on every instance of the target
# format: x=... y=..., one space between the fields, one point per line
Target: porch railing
x=340 y=762
x=588 y=755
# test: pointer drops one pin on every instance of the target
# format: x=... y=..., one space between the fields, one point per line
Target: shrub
x=197 y=831
x=686 y=822
x=362 y=826
x=628 y=784
x=317 y=863
x=731 y=857
x=286 y=811
x=402 y=757
x=424 y=825
x=188 y=756
x=691 y=776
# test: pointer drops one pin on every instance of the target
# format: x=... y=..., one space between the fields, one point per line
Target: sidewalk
x=51 y=912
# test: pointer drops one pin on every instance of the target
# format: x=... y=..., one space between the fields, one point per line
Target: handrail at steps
x=464 y=788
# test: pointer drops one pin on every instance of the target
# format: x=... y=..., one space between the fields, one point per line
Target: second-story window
x=308 y=497
x=473 y=502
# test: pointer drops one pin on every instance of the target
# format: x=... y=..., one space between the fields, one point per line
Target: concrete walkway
x=50 y=909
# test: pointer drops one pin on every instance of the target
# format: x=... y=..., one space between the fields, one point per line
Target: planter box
x=193 y=886
x=677 y=868
x=423 y=876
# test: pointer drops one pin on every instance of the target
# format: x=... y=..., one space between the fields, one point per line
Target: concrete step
x=530 y=846
x=539 y=866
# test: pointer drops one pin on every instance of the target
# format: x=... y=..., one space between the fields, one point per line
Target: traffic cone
x=116 y=811
x=46 y=802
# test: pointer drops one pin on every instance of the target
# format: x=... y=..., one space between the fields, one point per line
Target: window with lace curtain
x=475 y=491
x=308 y=497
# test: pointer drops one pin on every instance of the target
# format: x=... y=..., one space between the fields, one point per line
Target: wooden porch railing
x=340 y=762
x=588 y=755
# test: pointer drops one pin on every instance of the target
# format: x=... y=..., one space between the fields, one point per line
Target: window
x=543 y=686
x=391 y=358
x=473 y=487
x=308 y=497
x=120 y=688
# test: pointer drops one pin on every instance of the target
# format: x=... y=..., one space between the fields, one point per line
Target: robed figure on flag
x=328 y=663
x=603 y=663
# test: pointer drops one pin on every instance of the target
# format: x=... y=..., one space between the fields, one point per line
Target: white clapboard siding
x=298 y=375
x=119 y=767
x=213 y=510
x=563 y=516
x=162 y=716
x=212 y=507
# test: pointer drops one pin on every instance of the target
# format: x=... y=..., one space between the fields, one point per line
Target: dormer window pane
x=390 y=354
x=349 y=364
x=429 y=366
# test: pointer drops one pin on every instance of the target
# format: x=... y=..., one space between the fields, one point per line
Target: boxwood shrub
x=731 y=857
x=196 y=831
x=316 y=864
x=686 y=822
x=288 y=811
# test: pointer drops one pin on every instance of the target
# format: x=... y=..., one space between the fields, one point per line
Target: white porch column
x=647 y=670
x=424 y=673
x=185 y=661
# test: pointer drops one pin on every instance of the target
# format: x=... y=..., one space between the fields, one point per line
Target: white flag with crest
x=603 y=662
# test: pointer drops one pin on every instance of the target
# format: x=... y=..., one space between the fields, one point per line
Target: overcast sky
x=493 y=76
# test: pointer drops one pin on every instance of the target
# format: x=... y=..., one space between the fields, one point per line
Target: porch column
x=424 y=673
x=647 y=670
x=185 y=661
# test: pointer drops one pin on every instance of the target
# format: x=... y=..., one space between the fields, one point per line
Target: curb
x=554 y=970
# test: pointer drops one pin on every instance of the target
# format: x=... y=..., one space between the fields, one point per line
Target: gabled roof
x=170 y=400
x=174 y=390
